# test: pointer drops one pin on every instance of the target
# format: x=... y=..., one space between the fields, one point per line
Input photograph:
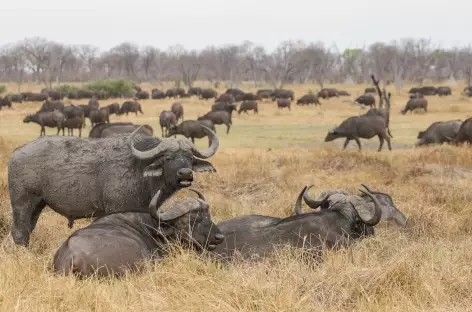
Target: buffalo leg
x=381 y=139
x=228 y=126
x=25 y=216
x=80 y=132
x=162 y=131
x=358 y=143
x=388 y=142
x=346 y=143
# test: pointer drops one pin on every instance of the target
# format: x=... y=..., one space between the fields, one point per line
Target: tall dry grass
x=423 y=268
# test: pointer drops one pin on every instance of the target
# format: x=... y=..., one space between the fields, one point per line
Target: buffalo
x=194 y=91
x=309 y=99
x=178 y=111
x=54 y=119
x=225 y=98
x=208 y=94
x=142 y=95
x=282 y=103
x=366 y=99
x=218 y=118
x=247 y=106
x=343 y=93
x=158 y=94
x=16 y=98
x=338 y=226
x=5 y=101
x=444 y=91
x=365 y=126
x=84 y=94
x=370 y=90
x=171 y=93
x=221 y=106
x=192 y=129
x=413 y=104
x=50 y=106
x=105 y=130
x=130 y=107
x=94 y=103
x=74 y=123
x=99 y=116
x=439 y=132
x=328 y=93
x=235 y=92
x=113 y=108
x=464 y=135
x=118 y=243
x=167 y=119
x=251 y=97
x=282 y=94
x=35 y=97
x=116 y=174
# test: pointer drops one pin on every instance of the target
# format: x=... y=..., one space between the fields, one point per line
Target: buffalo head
x=333 y=134
x=188 y=221
x=173 y=159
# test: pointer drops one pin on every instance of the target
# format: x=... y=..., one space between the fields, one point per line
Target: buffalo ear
x=202 y=166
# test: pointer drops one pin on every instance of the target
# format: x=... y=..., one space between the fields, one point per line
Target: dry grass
x=425 y=267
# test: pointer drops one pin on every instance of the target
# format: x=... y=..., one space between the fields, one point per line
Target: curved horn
x=377 y=207
x=178 y=210
x=153 y=205
x=213 y=147
x=200 y=195
x=144 y=155
x=313 y=204
x=298 y=203
x=376 y=192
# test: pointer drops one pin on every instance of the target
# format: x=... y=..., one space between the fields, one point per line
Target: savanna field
x=262 y=165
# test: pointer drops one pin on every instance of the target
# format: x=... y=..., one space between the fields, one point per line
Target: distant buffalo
x=247 y=106
x=328 y=93
x=50 y=106
x=178 y=111
x=282 y=94
x=208 y=94
x=464 y=135
x=105 y=130
x=366 y=99
x=444 y=91
x=192 y=129
x=413 y=104
x=343 y=93
x=282 y=103
x=218 y=118
x=130 y=107
x=142 y=95
x=225 y=98
x=158 y=94
x=370 y=90
x=167 y=119
x=99 y=116
x=308 y=99
x=113 y=108
x=194 y=91
x=54 y=119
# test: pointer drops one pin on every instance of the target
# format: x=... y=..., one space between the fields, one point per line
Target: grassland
x=426 y=267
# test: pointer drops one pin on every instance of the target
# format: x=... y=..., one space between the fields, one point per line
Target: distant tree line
x=407 y=60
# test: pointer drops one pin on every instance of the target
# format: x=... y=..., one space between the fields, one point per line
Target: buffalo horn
x=298 y=203
x=363 y=210
x=200 y=195
x=313 y=204
x=213 y=146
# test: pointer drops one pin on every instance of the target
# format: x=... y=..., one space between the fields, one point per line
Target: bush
x=3 y=89
x=115 y=88
x=66 y=88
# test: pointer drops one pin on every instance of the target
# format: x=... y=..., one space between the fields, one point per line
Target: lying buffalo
x=308 y=99
x=116 y=174
x=338 y=226
x=444 y=91
x=53 y=119
x=370 y=90
x=364 y=126
x=439 y=132
x=343 y=93
x=194 y=91
x=413 y=104
x=208 y=94
x=247 y=106
x=218 y=118
x=464 y=135
x=328 y=93
x=366 y=100
x=118 y=243
x=192 y=129
x=119 y=128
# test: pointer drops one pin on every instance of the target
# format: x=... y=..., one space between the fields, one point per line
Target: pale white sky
x=198 y=23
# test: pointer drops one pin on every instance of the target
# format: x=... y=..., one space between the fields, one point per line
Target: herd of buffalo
x=121 y=175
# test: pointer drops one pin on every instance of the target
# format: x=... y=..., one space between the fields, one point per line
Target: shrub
x=115 y=88
x=66 y=88
x=3 y=89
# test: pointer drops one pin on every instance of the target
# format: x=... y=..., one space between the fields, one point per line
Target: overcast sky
x=198 y=23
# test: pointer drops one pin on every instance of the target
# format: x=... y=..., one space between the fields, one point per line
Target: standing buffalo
x=346 y=220
x=235 y=92
x=370 y=90
x=221 y=106
x=218 y=118
x=178 y=111
x=225 y=98
x=111 y=175
x=283 y=94
x=50 y=106
x=429 y=90
x=158 y=94
x=194 y=91
x=247 y=106
x=106 y=130
x=444 y=91
x=281 y=103
x=366 y=99
x=113 y=108
x=308 y=99
x=47 y=119
x=439 y=132
x=251 y=97
x=142 y=95
x=364 y=127
x=99 y=116
x=171 y=93
x=167 y=119
x=74 y=123
x=192 y=129
x=464 y=135
x=130 y=107
x=208 y=94
x=118 y=243
x=413 y=104
x=328 y=93
x=6 y=101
